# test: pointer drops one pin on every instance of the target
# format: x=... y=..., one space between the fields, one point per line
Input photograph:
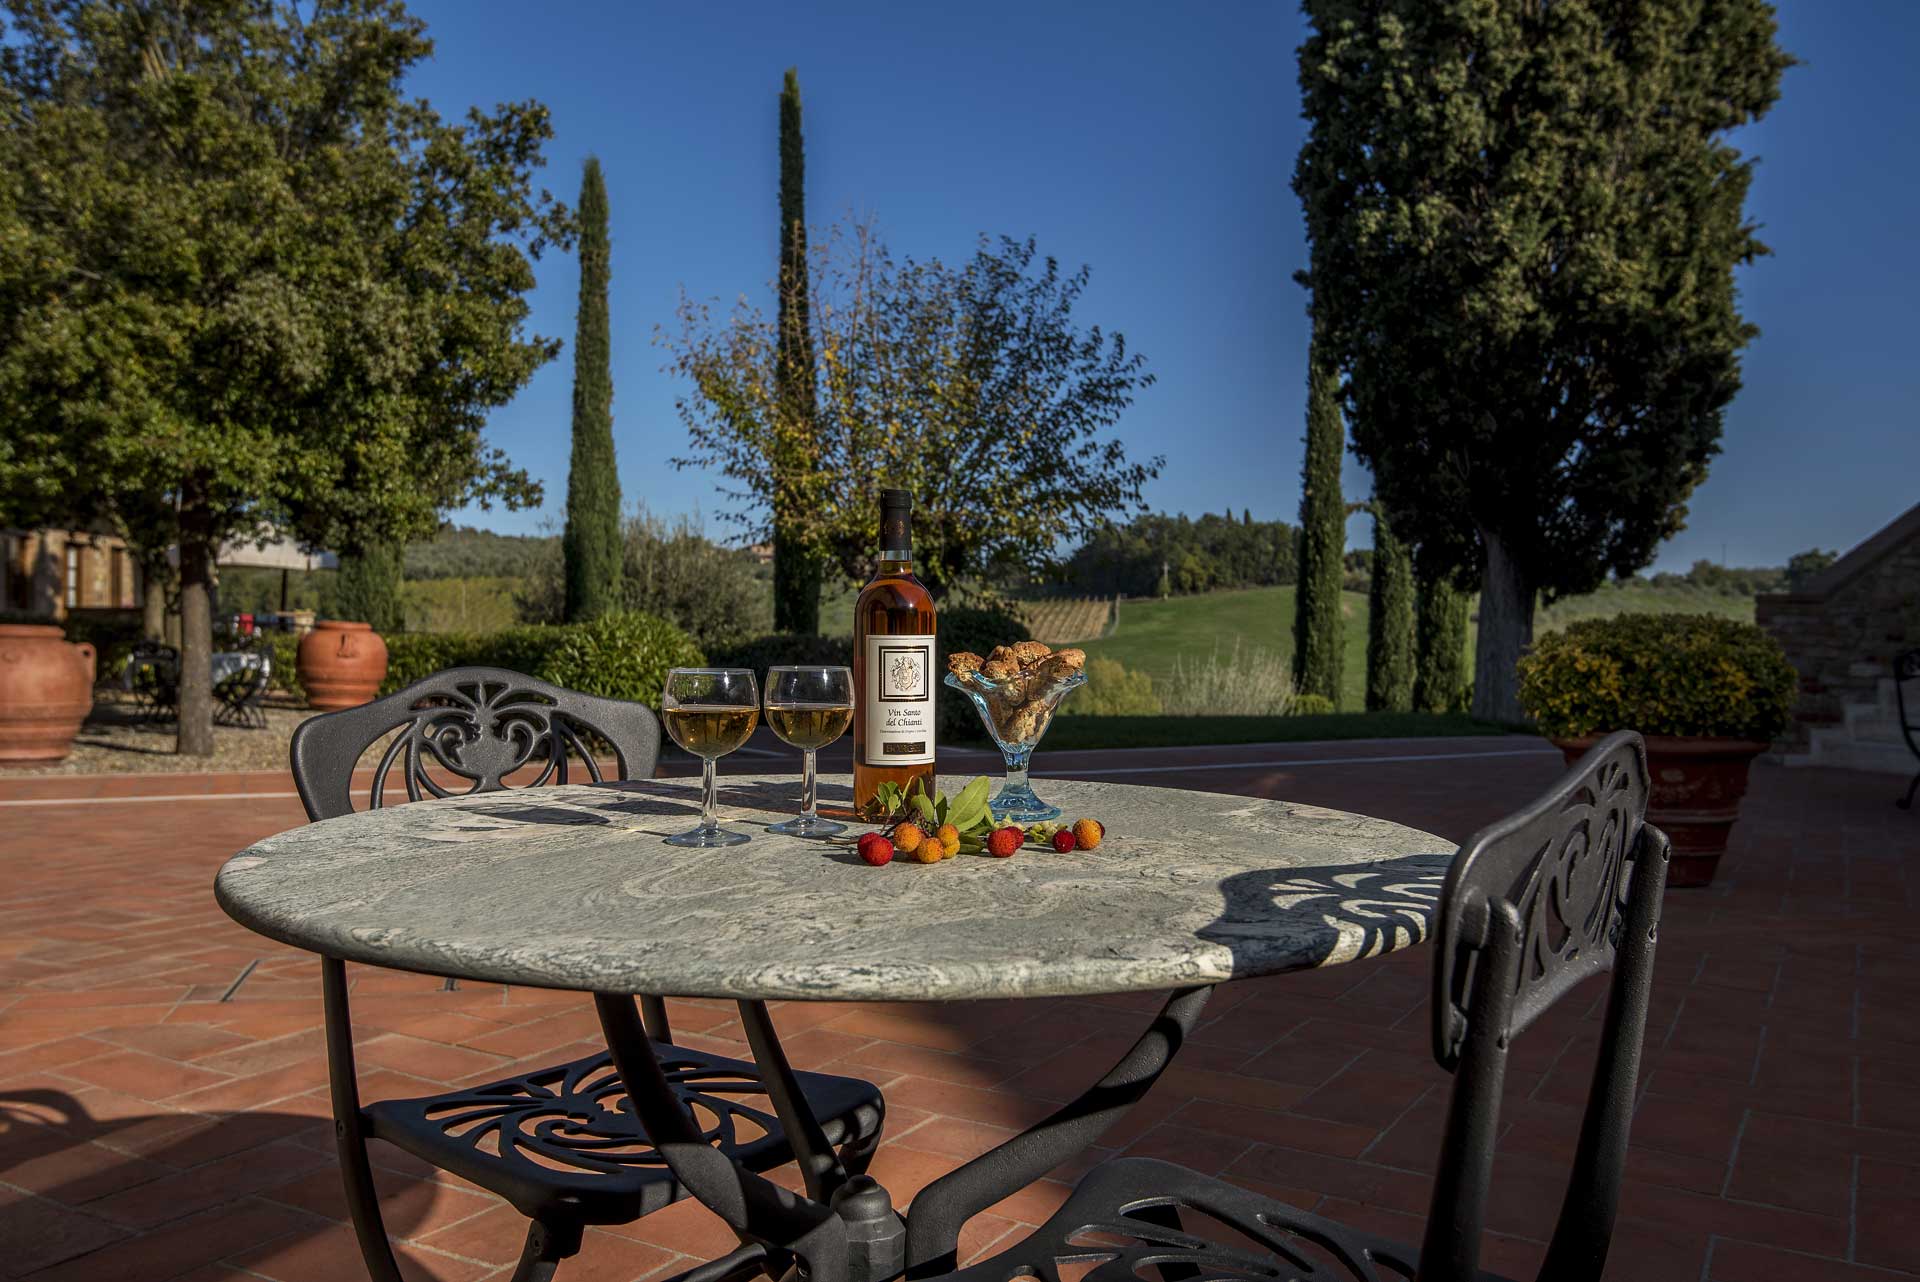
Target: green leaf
x=925 y=808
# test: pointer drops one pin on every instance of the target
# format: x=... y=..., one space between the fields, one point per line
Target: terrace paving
x=150 y=1129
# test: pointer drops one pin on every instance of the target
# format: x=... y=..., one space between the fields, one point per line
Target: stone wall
x=1842 y=632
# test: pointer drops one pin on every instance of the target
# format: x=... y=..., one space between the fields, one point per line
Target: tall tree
x=1390 y=628
x=246 y=280
x=367 y=587
x=1524 y=220
x=975 y=385
x=1319 y=640
x=796 y=562
x=1440 y=636
x=591 y=545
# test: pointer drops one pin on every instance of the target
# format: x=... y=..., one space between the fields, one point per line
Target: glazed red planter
x=46 y=691
x=1697 y=787
x=341 y=664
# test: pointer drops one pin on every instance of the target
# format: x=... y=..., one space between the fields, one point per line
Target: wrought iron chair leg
x=1906 y=802
x=547 y=1245
x=349 y=1132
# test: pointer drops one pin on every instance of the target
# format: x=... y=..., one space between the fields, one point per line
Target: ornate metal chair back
x=1533 y=905
x=477 y=725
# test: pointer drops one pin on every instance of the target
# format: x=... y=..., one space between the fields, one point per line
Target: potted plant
x=1708 y=694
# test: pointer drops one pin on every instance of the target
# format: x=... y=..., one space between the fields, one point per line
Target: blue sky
x=1154 y=143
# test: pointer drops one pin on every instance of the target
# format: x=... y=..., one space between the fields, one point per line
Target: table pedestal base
x=845 y=1229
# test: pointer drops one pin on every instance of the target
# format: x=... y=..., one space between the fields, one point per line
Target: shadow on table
x=45 y=1136
x=1343 y=912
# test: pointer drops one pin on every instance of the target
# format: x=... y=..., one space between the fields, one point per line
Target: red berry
x=1002 y=842
x=876 y=850
x=1063 y=840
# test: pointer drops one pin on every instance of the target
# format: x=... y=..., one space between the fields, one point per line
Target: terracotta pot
x=46 y=691
x=1697 y=786
x=341 y=664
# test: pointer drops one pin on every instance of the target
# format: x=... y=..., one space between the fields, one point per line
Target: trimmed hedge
x=621 y=656
x=760 y=653
x=1660 y=674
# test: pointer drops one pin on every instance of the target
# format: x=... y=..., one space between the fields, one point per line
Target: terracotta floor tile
x=143 y=1076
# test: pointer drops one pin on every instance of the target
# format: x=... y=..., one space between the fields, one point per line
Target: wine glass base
x=708 y=838
x=1017 y=804
x=802 y=826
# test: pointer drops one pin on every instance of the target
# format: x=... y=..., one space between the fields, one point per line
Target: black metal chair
x=560 y=1144
x=1907 y=668
x=237 y=695
x=1534 y=904
x=153 y=679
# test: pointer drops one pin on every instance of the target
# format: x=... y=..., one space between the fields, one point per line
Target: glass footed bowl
x=1016 y=719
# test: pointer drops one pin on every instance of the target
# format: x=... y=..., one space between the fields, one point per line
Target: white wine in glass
x=710 y=712
x=809 y=707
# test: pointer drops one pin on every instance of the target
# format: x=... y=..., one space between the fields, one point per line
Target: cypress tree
x=1318 y=637
x=1440 y=672
x=796 y=570
x=366 y=588
x=591 y=542
x=1390 y=625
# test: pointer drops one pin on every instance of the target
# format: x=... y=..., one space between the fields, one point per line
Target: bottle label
x=896 y=705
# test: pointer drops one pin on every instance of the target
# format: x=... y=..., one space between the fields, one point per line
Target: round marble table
x=571 y=887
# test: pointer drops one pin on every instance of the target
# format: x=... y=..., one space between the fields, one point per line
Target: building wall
x=1842 y=640
x=50 y=573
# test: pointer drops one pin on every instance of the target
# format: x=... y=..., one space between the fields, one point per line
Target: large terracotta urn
x=341 y=664
x=1697 y=787
x=46 y=691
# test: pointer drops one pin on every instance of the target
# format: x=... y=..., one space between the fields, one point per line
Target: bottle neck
x=895 y=561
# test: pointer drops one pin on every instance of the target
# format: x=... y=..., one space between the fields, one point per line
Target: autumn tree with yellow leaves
x=970 y=385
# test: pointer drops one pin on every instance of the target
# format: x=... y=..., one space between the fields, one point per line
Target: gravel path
x=115 y=741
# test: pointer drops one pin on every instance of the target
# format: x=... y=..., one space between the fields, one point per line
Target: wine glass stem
x=1016 y=762
x=709 y=781
x=807 y=788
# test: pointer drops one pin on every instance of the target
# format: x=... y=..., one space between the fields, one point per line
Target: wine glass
x=710 y=712
x=809 y=707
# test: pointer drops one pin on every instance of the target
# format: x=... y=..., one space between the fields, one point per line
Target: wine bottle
x=893 y=660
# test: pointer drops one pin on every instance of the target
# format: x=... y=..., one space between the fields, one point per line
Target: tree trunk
x=1506 y=629
x=196 y=641
x=153 y=606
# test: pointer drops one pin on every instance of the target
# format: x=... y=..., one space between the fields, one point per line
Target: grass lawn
x=1151 y=633
x=1176 y=732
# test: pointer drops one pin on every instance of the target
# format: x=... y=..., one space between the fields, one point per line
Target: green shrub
x=284 y=650
x=977 y=628
x=1668 y=674
x=622 y=656
x=1112 y=691
x=1311 y=705
x=761 y=653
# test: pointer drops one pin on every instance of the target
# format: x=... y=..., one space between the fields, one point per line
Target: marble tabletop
x=572 y=887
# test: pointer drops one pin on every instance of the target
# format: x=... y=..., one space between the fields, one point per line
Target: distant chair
x=1534 y=904
x=554 y=1142
x=1906 y=668
x=153 y=679
x=237 y=692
